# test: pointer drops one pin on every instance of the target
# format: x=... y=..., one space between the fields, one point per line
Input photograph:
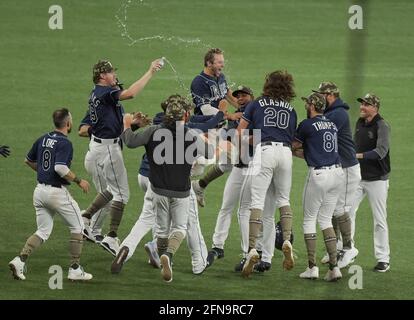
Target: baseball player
x=317 y=137
x=94 y=231
x=169 y=176
x=231 y=193
x=243 y=95
x=51 y=157
x=105 y=152
x=210 y=86
x=372 y=139
x=5 y=151
x=273 y=114
x=147 y=219
x=336 y=111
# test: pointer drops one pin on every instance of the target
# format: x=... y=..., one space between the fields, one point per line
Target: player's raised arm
x=232 y=100
x=138 y=85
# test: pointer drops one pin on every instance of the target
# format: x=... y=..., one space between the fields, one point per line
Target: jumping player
x=106 y=114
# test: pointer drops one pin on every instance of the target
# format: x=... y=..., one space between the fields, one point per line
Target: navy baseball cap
x=243 y=89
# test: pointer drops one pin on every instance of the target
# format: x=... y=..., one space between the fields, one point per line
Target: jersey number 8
x=46 y=160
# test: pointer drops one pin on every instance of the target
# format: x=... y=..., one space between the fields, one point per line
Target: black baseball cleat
x=239 y=266
x=382 y=267
x=262 y=266
x=119 y=260
x=219 y=252
x=214 y=253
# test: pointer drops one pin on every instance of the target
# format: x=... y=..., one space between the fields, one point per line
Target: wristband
x=77 y=180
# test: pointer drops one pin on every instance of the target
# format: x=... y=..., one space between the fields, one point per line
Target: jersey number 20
x=275 y=118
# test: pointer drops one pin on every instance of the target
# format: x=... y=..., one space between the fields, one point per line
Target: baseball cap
x=327 y=87
x=103 y=66
x=370 y=99
x=243 y=89
x=175 y=111
x=316 y=99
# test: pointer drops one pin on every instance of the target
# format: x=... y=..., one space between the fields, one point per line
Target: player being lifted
x=106 y=113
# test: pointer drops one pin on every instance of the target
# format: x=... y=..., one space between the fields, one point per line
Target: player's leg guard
x=344 y=223
x=330 y=243
x=101 y=199
x=116 y=211
x=75 y=247
x=174 y=241
x=32 y=243
x=213 y=172
x=335 y=224
x=286 y=221
x=162 y=245
x=255 y=224
x=310 y=241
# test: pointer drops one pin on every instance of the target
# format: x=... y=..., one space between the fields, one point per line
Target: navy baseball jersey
x=319 y=139
x=233 y=124
x=49 y=150
x=86 y=120
x=106 y=112
x=276 y=119
x=346 y=146
x=208 y=90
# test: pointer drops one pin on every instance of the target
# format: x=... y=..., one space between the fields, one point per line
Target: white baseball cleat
x=310 y=273
x=251 y=259
x=325 y=259
x=199 y=193
x=152 y=251
x=78 y=274
x=18 y=268
x=347 y=257
x=166 y=269
x=111 y=245
x=288 y=260
x=333 y=275
x=87 y=231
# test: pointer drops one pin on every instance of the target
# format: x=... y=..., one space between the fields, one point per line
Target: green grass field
x=44 y=69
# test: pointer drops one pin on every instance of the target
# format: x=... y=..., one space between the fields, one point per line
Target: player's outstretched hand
x=156 y=65
x=84 y=185
x=5 y=151
x=128 y=117
x=141 y=120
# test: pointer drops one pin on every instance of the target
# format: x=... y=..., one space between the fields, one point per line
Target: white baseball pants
x=377 y=192
x=320 y=196
x=48 y=201
x=108 y=159
x=231 y=197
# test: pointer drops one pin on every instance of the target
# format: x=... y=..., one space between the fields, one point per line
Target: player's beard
x=308 y=114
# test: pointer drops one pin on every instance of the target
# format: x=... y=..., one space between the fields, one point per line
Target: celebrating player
x=336 y=111
x=210 y=86
x=372 y=139
x=317 y=135
x=51 y=157
x=169 y=175
x=106 y=115
x=276 y=118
